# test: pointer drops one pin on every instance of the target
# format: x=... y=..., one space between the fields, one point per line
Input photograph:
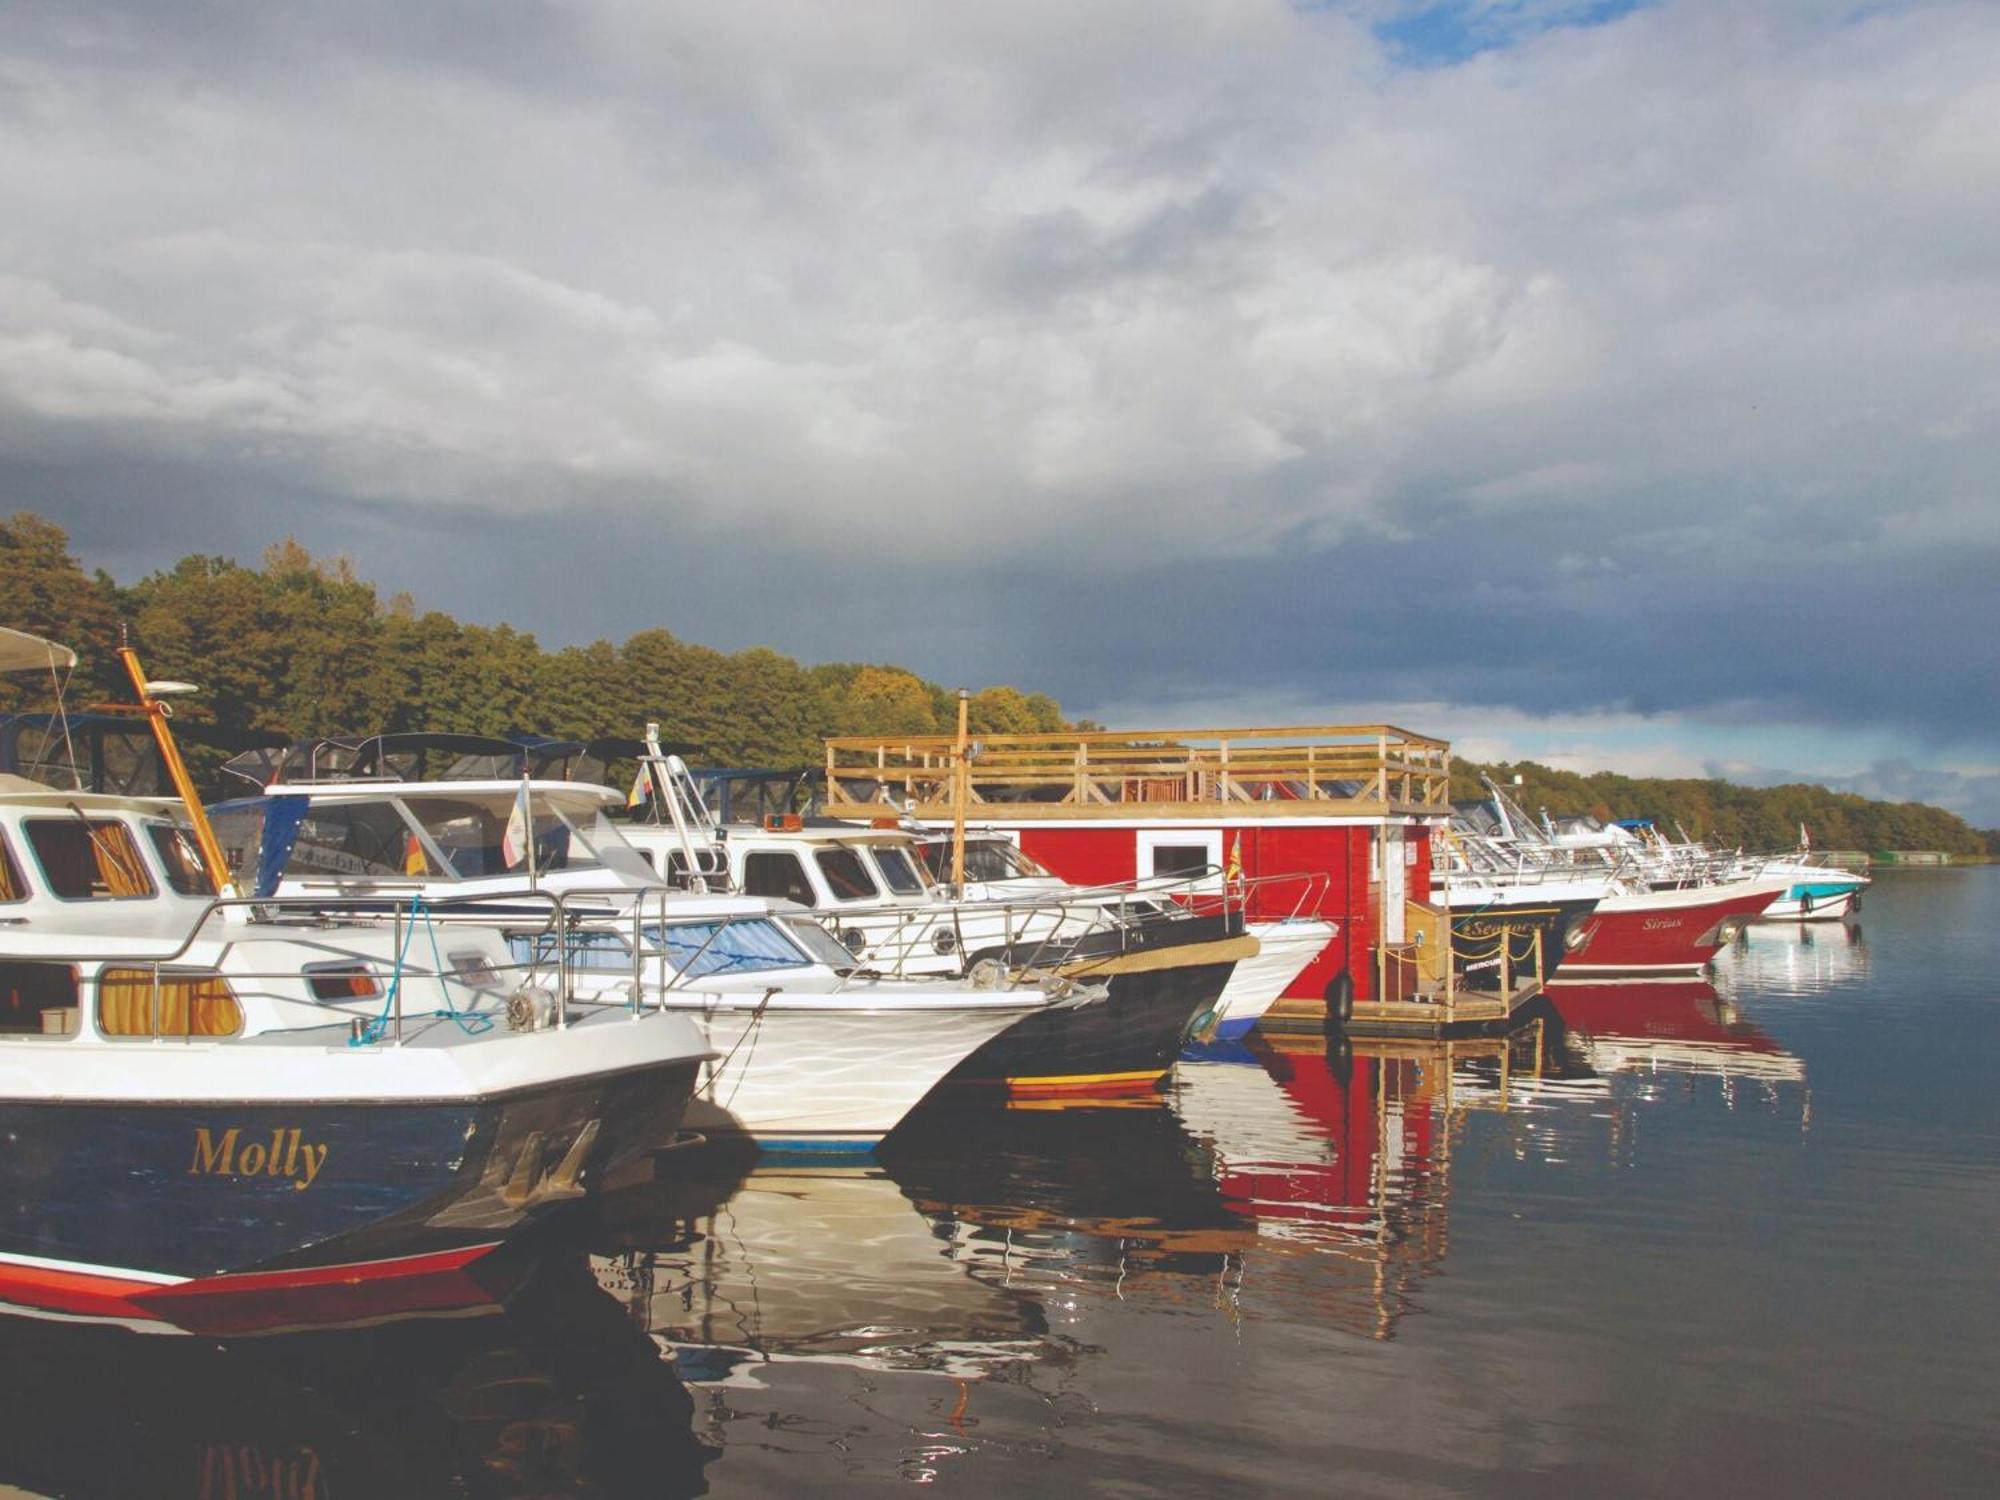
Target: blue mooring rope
x=471 y=1022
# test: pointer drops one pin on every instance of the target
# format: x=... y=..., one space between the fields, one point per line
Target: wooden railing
x=1348 y=770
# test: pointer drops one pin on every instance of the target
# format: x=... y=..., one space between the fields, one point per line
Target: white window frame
x=1151 y=839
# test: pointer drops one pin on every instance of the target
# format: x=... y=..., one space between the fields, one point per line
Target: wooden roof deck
x=1343 y=770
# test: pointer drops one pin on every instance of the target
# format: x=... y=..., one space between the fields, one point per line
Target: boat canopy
x=112 y=753
x=431 y=832
x=21 y=652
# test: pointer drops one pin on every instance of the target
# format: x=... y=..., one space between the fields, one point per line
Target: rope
x=472 y=1023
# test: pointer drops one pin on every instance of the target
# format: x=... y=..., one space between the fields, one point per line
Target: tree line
x=302 y=645
x=1728 y=815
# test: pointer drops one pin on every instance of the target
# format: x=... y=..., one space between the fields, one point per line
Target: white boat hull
x=832 y=1078
x=1283 y=951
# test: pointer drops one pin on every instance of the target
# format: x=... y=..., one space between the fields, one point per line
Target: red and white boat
x=1640 y=928
x=1642 y=934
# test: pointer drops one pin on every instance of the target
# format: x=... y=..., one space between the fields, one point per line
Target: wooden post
x=960 y=791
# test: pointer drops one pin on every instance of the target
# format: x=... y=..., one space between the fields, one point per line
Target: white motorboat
x=204 y=1132
x=811 y=1053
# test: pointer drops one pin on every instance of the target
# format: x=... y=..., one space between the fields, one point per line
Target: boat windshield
x=452 y=836
x=899 y=871
x=752 y=946
x=822 y=945
x=986 y=860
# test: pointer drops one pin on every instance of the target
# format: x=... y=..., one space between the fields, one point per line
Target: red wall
x=1108 y=854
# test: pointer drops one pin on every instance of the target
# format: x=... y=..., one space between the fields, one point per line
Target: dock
x=1422 y=1017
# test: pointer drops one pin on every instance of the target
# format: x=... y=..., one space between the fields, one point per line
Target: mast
x=157 y=712
x=961 y=787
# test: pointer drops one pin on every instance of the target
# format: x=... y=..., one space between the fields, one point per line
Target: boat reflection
x=555 y=1395
x=1076 y=1203
x=735 y=1267
x=1341 y=1159
x=1795 y=959
x=1686 y=1027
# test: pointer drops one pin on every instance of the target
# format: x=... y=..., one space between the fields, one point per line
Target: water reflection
x=792 y=1263
x=1080 y=1201
x=1796 y=959
x=1343 y=1159
x=557 y=1395
x=1681 y=1026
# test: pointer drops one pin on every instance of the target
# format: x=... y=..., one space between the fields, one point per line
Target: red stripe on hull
x=1655 y=938
x=264 y=1301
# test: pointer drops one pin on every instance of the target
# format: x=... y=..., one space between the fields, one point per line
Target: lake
x=1728 y=1237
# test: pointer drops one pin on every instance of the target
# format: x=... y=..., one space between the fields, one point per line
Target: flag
x=414 y=862
x=641 y=787
x=1235 y=868
x=514 y=842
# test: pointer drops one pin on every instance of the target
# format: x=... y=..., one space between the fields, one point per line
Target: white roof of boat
x=21 y=652
x=382 y=791
x=19 y=791
x=848 y=833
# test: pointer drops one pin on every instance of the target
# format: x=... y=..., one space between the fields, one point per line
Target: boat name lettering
x=288 y=1155
x=1661 y=924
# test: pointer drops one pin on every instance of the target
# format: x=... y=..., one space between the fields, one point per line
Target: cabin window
x=846 y=876
x=37 y=999
x=589 y=952
x=12 y=886
x=898 y=871
x=89 y=859
x=175 y=846
x=1180 y=859
x=1190 y=856
x=182 y=1003
x=342 y=981
x=777 y=873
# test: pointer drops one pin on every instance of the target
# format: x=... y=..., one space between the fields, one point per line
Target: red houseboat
x=1331 y=823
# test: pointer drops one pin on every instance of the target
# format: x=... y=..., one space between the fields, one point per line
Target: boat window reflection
x=701 y=948
x=846 y=876
x=778 y=875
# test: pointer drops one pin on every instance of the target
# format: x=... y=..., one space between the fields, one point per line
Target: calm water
x=1733 y=1238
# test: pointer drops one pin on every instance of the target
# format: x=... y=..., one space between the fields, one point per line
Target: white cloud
x=1093 y=271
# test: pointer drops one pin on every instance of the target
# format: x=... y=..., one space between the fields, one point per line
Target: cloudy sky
x=1613 y=383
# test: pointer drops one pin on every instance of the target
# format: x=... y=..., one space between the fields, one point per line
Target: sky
x=1613 y=384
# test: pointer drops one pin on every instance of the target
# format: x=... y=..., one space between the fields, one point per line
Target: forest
x=301 y=644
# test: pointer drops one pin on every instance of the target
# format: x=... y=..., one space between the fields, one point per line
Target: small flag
x=414 y=862
x=641 y=787
x=514 y=842
x=1235 y=867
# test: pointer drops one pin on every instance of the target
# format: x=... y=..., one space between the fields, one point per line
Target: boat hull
x=220 y=1217
x=833 y=1080
x=1815 y=901
x=1283 y=951
x=1669 y=933
x=1479 y=932
x=1124 y=1043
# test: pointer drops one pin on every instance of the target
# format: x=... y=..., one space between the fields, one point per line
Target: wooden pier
x=1427 y=1017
